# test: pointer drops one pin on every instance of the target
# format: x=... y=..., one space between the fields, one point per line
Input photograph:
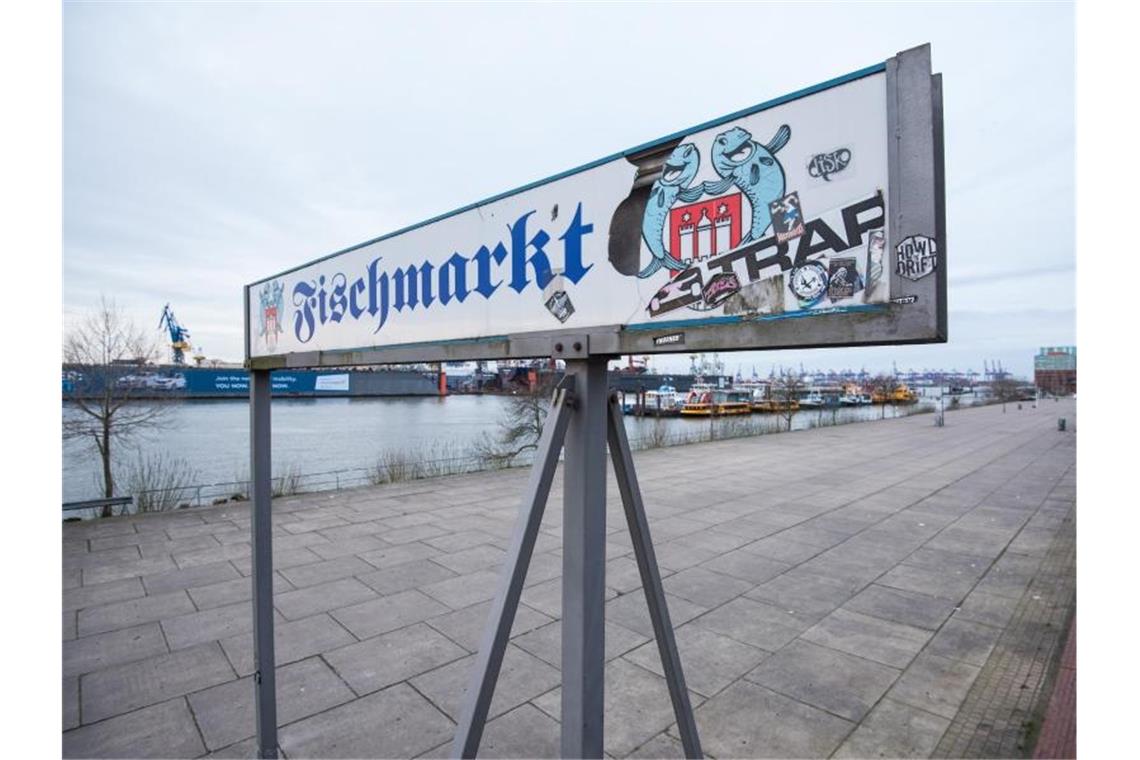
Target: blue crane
x=179 y=335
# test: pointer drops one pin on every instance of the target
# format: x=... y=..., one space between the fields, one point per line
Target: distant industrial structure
x=1055 y=370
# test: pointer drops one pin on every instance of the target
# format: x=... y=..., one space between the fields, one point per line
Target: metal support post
x=261 y=501
x=635 y=517
x=494 y=645
x=584 y=562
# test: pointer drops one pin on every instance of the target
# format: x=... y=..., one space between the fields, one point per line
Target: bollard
x=1019 y=407
x=1061 y=424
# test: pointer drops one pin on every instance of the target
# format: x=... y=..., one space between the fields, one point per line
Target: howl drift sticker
x=917 y=256
x=787 y=219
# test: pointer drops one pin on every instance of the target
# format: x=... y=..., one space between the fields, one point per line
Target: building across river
x=1055 y=370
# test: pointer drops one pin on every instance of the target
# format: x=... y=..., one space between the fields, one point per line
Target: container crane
x=179 y=335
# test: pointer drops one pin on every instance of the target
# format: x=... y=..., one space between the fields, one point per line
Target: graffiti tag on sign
x=823 y=165
x=917 y=256
x=669 y=340
x=719 y=288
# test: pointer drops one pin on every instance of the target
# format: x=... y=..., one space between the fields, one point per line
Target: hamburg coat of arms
x=272 y=297
x=682 y=221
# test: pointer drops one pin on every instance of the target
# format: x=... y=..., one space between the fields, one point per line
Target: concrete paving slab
x=78 y=597
x=464 y=590
x=637 y=706
x=546 y=642
x=225 y=713
x=761 y=625
x=231 y=592
x=70 y=702
x=466 y=626
x=162 y=730
x=191 y=577
x=469 y=560
x=980 y=607
x=898 y=606
x=521 y=678
x=103 y=650
x=893 y=644
x=377 y=616
x=840 y=683
x=323 y=597
x=747 y=720
x=632 y=611
x=804 y=594
x=392 y=657
x=208 y=625
x=964 y=641
x=111 y=617
x=894 y=729
x=293 y=640
x=935 y=684
x=395 y=722
x=122 y=688
x=303 y=576
x=710 y=661
x=408 y=575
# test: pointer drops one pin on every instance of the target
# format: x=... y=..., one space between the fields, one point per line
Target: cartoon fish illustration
x=752 y=167
x=676 y=175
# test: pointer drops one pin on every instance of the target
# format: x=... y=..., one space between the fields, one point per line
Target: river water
x=344 y=437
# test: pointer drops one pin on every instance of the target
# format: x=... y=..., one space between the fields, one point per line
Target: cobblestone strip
x=1059 y=732
x=1002 y=713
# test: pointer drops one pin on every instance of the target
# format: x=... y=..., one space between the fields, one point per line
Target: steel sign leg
x=584 y=562
x=478 y=700
x=261 y=497
x=651 y=579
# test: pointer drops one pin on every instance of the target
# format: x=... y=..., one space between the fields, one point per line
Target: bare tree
x=785 y=392
x=1004 y=389
x=522 y=422
x=109 y=406
x=884 y=386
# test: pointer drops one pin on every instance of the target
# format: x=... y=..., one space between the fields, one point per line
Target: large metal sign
x=815 y=219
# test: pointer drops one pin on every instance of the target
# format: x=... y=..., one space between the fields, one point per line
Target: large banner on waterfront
x=707 y=239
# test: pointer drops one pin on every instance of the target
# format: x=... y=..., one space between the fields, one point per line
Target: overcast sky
x=209 y=145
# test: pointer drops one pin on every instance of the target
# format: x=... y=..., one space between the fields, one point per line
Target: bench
x=114 y=501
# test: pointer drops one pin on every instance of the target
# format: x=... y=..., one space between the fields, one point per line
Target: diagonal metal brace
x=469 y=731
x=651 y=578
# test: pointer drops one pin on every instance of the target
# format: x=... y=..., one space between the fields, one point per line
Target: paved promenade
x=878 y=589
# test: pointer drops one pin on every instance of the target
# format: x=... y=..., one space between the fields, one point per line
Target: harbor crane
x=179 y=335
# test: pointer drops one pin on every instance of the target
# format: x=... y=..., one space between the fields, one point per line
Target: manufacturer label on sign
x=917 y=257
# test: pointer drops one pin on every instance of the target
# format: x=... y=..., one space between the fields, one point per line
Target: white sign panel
x=780 y=212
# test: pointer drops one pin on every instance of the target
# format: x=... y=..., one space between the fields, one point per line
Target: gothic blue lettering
x=572 y=243
x=483 y=264
x=457 y=266
x=519 y=258
x=303 y=323
x=339 y=302
x=332 y=298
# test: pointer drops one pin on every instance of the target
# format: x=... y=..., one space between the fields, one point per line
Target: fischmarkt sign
x=777 y=226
